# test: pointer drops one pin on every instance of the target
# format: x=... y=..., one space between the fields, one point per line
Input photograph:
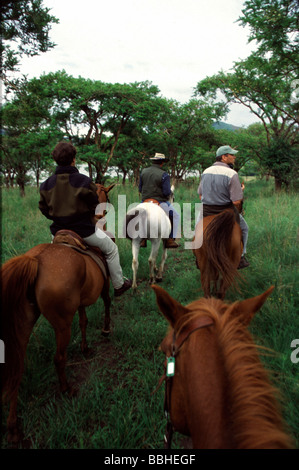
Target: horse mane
x=256 y=414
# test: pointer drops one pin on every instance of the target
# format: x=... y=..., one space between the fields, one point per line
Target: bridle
x=177 y=343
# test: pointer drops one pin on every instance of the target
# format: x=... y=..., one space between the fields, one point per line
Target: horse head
x=103 y=198
x=215 y=373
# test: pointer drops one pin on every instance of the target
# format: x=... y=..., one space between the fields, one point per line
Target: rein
x=177 y=343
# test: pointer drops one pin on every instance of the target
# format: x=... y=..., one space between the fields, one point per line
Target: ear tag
x=170 y=368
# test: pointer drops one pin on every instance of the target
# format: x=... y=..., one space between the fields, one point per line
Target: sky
x=172 y=43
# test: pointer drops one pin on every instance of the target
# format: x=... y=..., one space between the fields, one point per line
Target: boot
x=126 y=285
x=243 y=263
x=171 y=243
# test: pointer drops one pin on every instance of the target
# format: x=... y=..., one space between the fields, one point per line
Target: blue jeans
x=174 y=217
x=244 y=229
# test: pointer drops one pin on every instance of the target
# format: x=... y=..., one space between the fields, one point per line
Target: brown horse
x=53 y=280
x=219 y=394
x=219 y=253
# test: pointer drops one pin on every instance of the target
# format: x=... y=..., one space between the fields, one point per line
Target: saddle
x=152 y=200
x=73 y=240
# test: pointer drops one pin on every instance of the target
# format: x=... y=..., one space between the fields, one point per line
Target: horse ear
x=110 y=187
x=171 y=309
x=247 y=308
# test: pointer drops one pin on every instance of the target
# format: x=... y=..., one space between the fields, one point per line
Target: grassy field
x=115 y=407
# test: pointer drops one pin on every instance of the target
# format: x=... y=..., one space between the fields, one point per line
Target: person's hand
x=242 y=186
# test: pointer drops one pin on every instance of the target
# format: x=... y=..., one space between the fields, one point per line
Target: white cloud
x=173 y=43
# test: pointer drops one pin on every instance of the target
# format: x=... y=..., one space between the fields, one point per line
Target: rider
x=154 y=183
x=69 y=199
x=220 y=189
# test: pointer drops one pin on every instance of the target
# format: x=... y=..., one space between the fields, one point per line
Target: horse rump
x=135 y=224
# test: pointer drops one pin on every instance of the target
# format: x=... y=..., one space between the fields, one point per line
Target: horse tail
x=217 y=240
x=18 y=277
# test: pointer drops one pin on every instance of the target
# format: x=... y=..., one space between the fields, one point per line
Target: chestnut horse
x=219 y=253
x=53 y=280
x=220 y=394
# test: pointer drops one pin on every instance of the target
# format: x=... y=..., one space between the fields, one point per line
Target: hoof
x=106 y=333
x=15 y=435
x=84 y=349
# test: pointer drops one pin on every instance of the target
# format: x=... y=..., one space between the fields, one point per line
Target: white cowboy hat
x=159 y=157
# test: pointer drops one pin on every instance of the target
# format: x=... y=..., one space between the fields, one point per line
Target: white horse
x=148 y=221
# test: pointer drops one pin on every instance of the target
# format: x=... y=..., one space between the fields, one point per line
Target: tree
x=274 y=25
x=27 y=24
x=94 y=114
x=264 y=81
x=183 y=133
x=28 y=139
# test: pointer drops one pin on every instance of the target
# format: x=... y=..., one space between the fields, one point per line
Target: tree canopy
x=25 y=27
x=121 y=125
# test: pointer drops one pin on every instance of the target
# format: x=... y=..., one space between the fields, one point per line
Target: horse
x=217 y=390
x=220 y=248
x=53 y=280
x=148 y=221
x=101 y=210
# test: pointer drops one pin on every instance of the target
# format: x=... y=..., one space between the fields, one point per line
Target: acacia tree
x=183 y=133
x=28 y=137
x=99 y=112
x=91 y=113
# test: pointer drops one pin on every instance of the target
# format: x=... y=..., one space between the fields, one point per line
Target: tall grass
x=115 y=407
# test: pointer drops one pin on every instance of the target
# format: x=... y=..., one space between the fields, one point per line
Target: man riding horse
x=154 y=184
x=220 y=189
x=69 y=199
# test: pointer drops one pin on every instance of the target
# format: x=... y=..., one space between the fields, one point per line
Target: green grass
x=115 y=407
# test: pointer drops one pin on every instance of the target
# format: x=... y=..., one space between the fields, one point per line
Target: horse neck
x=202 y=390
x=225 y=392
x=255 y=413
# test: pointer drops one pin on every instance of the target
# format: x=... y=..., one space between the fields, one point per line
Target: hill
x=223 y=125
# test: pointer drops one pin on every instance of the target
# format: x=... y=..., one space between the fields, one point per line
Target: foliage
x=264 y=81
x=27 y=140
x=282 y=160
x=25 y=23
x=274 y=25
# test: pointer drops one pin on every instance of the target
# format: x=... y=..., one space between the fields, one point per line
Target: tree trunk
x=278 y=184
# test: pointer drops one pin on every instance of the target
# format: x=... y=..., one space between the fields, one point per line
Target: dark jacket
x=69 y=199
x=154 y=183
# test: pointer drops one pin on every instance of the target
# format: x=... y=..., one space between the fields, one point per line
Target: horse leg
x=152 y=258
x=14 y=433
x=107 y=302
x=161 y=269
x=83 y=324
x=63 y=336
x=135 y=253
